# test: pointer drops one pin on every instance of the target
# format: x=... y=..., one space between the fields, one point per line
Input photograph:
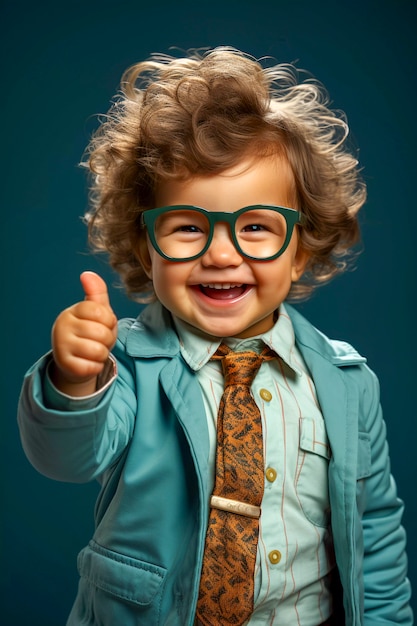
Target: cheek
x=167 y=276
x=274 y=275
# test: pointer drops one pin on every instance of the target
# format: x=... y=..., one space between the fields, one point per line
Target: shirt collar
x=197 y=348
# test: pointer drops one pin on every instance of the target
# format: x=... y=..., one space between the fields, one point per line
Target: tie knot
x=240 y=368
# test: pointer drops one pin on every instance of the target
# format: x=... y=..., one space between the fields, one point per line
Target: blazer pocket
x=312 y=471
x=118 y=585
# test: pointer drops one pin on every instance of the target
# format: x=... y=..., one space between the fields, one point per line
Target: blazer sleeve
x=386 y=587
x=79 y=440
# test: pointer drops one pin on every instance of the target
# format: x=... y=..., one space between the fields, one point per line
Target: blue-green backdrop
x=61 y=63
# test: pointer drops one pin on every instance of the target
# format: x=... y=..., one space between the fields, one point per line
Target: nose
x=222 y=251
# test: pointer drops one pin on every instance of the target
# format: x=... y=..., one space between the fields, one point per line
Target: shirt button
x=274 y=556
x=265 y=395
x=271 y=474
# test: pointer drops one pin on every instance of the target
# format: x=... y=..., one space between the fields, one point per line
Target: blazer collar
x=314 y=343
x=153 y=334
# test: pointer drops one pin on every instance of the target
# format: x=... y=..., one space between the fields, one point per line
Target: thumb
x=95 y=289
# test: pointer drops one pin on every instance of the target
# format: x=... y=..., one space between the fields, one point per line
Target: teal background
x=61 y=63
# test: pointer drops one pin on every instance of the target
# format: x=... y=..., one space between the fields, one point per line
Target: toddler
x=222 y=190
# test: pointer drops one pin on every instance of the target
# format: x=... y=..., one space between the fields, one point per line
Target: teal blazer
x=146 y=442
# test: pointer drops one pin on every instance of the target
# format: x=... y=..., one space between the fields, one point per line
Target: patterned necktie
x=226 y=585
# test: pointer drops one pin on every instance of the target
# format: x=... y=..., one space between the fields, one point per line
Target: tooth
x=221 y=285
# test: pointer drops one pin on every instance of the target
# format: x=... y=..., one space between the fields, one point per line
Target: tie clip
x=234 y=506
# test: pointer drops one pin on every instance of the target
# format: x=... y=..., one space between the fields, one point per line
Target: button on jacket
x=147 y=443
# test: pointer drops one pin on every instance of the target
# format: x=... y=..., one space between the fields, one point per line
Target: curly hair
x=200 y=114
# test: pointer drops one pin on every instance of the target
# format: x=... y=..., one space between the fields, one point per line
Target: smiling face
x=222 y=293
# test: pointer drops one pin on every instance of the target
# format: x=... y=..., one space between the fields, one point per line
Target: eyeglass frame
x=149 y=217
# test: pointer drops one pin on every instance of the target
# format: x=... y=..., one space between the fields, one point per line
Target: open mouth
x=223 y=291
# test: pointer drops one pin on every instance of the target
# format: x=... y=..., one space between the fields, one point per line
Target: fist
x=82 y=337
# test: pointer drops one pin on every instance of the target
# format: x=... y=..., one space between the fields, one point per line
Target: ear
x=300 y=261
x=142 y=253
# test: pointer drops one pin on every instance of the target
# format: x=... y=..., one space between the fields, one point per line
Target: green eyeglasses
x=184 y=233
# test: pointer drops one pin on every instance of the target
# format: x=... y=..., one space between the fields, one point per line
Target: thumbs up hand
x=82 y=337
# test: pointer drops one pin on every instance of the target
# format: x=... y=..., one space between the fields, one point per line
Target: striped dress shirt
x=295 y=557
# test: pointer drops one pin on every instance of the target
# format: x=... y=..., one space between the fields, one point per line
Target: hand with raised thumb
x=82 y=337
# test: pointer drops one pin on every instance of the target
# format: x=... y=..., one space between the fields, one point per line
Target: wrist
x=72 y=387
